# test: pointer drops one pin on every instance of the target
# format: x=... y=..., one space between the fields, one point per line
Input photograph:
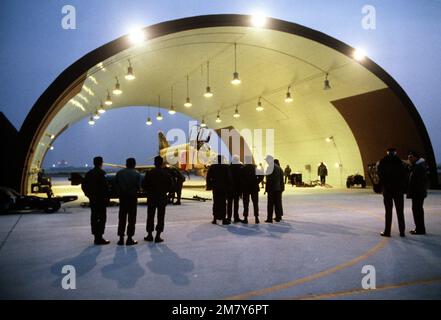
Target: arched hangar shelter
x=345 y=109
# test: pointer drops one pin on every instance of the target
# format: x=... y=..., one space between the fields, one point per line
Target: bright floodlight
x=137 y=36
x=359 y=54
x=258 y=20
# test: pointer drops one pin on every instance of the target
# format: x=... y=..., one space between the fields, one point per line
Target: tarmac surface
x=317 y=251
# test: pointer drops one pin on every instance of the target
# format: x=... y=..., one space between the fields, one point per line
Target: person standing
x=157 y=183
x=250 y=186
x=322 y=172
x=96 y=188
x=127 y=183
x=417 y=190
x=236 y=190
x=219 y=180
x=392 y=174
x=274 y=187
x=287 y=173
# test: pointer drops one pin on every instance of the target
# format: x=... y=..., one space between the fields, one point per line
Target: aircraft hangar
x=324 y=99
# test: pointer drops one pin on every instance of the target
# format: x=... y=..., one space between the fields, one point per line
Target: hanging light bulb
x=187 y=103
x=259 y=105
x=159 y=116
x=117 y=89
x=101 y=108
x=236 y=79
x=208 y=93
x=96 y=116
x=108 y=101
x=52 y=136
x=288 y=97
x=203 y=124
x=149 y=120
x=236 y=112
x=326 y=85
x=218 y=119
x=130 y=75
x=51 y=148
x=91 y=121
x=172 y=108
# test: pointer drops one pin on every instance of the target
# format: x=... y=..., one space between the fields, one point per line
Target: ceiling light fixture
x=288 y=97
x=101 y=108
x=91 y=121
x=259 y=105
x=96 y=115
x=187 y=103
x=149 y=120
x=326 y=85
x=236 y=112
x=218 y=119
x=236 y=80
x=108 y=101
x=130 y=75
x=172 y=108
x=117 y=89
x=159 y=116
x=208 y=93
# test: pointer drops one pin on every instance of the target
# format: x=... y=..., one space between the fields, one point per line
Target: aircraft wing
x=140 y=168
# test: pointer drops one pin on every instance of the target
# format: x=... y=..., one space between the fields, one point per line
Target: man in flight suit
x=157 y=183
x=96 y=188
x=127 y=183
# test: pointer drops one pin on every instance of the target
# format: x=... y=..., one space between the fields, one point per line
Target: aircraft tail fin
x=163 y=143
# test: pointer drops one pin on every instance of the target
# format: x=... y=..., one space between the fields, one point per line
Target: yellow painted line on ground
x=360 y=291
x=321 y=274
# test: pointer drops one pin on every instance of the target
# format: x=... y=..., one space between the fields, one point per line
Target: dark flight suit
x=417 y=191
x=219 y=180
x=157 y=183
x=96 y=188
x=392 y=174
x=274 y=187
x=178 y=182
x=250 y=187
x=322 y=171
x=127 y=183
x=236 y=191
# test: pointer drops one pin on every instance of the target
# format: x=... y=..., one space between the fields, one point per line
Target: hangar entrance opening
x=323 y=104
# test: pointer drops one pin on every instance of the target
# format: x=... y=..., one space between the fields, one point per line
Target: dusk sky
x=36 y=49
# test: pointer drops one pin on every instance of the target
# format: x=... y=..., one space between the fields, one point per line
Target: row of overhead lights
x=139 y=36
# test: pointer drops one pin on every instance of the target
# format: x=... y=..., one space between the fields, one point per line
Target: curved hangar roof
x=364 y=110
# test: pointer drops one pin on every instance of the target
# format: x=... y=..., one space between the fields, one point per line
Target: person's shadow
x=83 y=263
x=166 y=262
x=125 y=268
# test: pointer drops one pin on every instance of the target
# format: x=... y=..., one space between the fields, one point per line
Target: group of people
x=230 y=182
x=397 y=179
x=157 y=184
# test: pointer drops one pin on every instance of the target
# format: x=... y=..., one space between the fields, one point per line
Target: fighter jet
x=192 y=157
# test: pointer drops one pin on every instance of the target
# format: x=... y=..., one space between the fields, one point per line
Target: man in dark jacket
x=157 y=183
x=287 y=173
x=250 y=186
x=322 y=172
x=96 y=188
x=392 y=174
x=178 y=182
x=417 y=190
x=236 y=190
x=219 y=180
x=274 y=187
x=127 y=184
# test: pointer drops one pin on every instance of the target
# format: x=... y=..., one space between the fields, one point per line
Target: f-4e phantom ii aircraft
x=192 y=157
